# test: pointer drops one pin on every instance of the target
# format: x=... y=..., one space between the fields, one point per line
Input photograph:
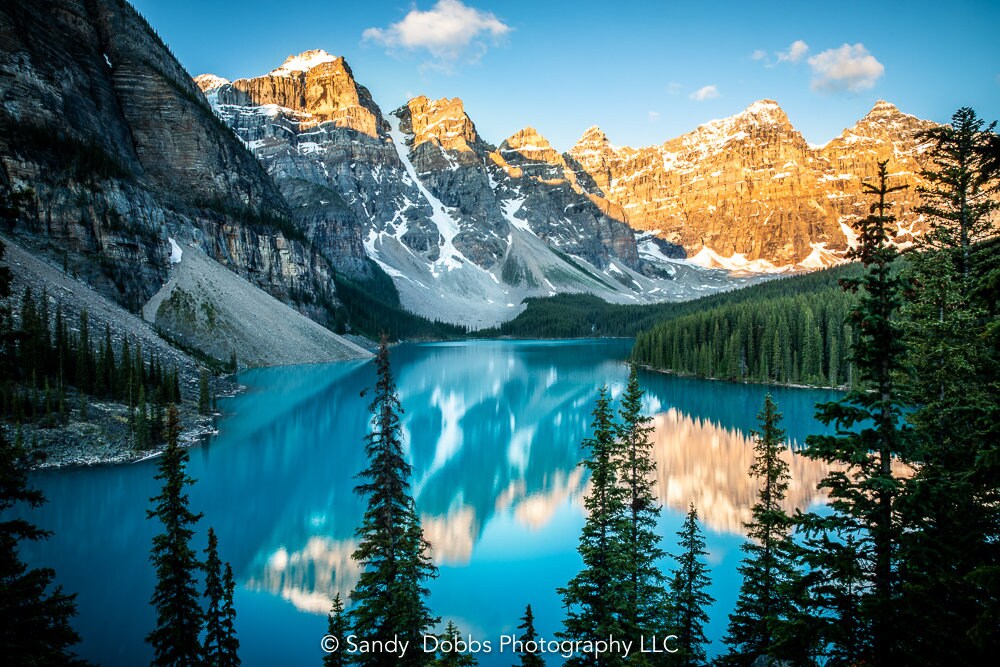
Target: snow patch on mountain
x=450 y=258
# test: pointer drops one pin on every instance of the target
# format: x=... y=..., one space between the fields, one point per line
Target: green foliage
x=449 y=643
x=960 y=196
x=34 y=617
x=792 y=335
x=204 y=398
x=336 y=627
x=643 y=602
x=585 y=315
x=689 y=598
x=528 y=636
x=175 y=597
x=43 y=360
x=229 y=655
x=862 y=486
x=389 y=598
x=594 y=595
x=950 y=512
x=371 y=308
x=214 y=594
x=759 y=623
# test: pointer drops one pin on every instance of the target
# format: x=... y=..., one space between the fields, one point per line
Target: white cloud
x=705 y=93
x=758 y=54
x=654 y=116
x=847 y=68
x=794 y=53
x=673 y=88
x=449 y=31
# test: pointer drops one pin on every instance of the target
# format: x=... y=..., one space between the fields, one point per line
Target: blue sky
x=642 y=71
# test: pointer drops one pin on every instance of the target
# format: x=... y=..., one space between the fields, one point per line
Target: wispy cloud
x=673 y=88
x=449 y=31
x=848 y=68
x=705 y=93
x=758 y=54
x=654 y=116
x=793 y=53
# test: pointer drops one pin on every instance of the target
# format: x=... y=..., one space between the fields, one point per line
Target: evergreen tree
x=84 y=356
x=595 y=595
x=759 y=621
x=230 y=643
x=689 y=597
x=958 y=199
x=34 y=617
x=178 y=615
x=951 y=510
x=204 y=402
x=643 y=604
x=337 y=628
x=862 y=487
x=448 y=653
x=389 y=599
x=528 y=637
x=214 y=594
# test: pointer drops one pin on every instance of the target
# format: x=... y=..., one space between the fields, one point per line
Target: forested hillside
x=582 y=315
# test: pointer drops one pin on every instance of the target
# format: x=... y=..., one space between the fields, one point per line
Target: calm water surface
x=493 y=430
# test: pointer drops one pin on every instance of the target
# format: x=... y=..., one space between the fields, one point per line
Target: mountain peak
x=304 y=62
x=209 y=82
x=883 y=109
x=765 y=110
x=444 y=120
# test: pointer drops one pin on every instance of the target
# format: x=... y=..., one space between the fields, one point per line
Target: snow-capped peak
x=210 y=82
x=303 y=62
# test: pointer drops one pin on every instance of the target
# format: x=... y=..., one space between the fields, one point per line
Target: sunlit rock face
x=748 y=192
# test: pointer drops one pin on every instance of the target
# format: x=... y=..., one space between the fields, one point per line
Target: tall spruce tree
x=689 y=597
x=758 y=624
x=390 y=596
x=862 y=486
x=214 y=598
x=336 y=627
x=952 y=509
x=448 y=653
x=643 y=609
x=229 y=656
x=959 y=198
x=35 y=618
x=178 y=614
x=528 y=639
x=594 y=597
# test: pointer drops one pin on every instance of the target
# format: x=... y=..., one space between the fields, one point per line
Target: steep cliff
x=117 y=148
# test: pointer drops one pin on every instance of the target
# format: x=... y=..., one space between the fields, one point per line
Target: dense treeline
x=800 y=339
x=44 y=359
x=585 y=315
x=371 y=308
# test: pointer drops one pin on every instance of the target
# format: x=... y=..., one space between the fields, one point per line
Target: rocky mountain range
x=466 y=227
x=297 y=181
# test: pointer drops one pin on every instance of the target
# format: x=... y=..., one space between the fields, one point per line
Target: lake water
x=493 y=430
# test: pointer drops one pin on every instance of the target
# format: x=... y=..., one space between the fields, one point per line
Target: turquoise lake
x=493 y=430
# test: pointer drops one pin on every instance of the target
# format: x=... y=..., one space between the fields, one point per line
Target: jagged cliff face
x=749 y=188
x=465 y=229
x=119 y=148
